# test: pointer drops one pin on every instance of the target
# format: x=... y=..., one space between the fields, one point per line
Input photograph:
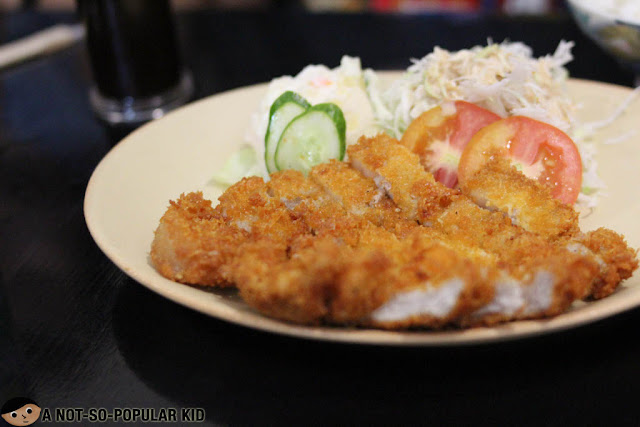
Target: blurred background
x=510 y=7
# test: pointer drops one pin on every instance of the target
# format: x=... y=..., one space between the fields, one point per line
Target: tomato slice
x=439 y=136
x=541 y=151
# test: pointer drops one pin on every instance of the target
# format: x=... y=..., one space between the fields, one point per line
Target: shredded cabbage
x=504 y=78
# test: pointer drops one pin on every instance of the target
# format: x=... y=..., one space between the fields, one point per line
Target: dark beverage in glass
x=134 y=58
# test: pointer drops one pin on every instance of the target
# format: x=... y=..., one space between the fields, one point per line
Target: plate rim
x=175 y=291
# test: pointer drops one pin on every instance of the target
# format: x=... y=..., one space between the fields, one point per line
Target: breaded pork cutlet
x=616 y=260
x=533 y=267
x=360 y=196
x=398 y=172
x=192 y=242
x=436 y=284
x=410 y=284
x=196 y=243
x=529 y=284
x=280 y=234
x=500 y=187
x=329 y=219
x=344 y=247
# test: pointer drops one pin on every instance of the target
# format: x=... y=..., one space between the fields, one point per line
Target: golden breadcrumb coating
x=192 y=243
x=248 y=205
x=195 y=243
x=377 y=242
x=360 y=196
x=339 y=270
x=499 y=186
x=431 y=203
x=329 y=282
x=456 y=216
x=396 y=171
x=283 y=288
x=618 y=261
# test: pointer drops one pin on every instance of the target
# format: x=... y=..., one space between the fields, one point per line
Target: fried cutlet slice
x=499 y=186
x=397 y=172
x=192 y=242
x=329 y=220
x=435 y=206
x=195 y=243
x=522 y=255
x=616 y=260
x=299 y=288
x=249 y=205
x=410 y=284
x=269 y=282
x=434 y=285
x=542 y=285
x=360 y=196
x=320 y=213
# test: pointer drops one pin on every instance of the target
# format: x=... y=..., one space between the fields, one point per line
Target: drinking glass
x=133 y=50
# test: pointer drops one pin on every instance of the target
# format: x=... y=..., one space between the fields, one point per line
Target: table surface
x=75 y=331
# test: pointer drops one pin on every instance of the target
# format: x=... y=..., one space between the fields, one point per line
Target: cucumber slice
x=312 y=138
x=284 y=109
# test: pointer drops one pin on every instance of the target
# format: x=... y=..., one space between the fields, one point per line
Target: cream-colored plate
x=130 y=189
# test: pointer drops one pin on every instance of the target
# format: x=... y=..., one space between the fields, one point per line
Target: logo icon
x=20 y=411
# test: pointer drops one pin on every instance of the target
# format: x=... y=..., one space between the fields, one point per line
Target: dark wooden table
x=77 y=332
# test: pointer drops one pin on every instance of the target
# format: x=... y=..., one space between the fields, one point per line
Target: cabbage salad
x=504 y=78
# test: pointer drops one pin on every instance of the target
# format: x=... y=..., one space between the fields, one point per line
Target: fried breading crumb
x=499 y=186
